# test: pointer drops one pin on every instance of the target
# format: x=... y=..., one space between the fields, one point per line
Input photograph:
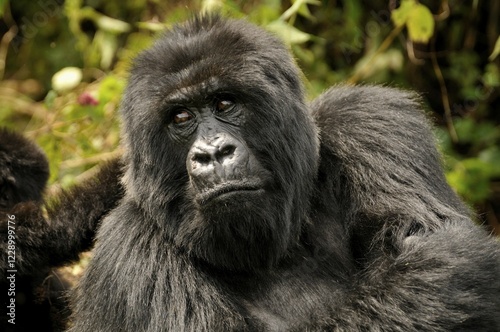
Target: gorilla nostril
x=227 y=150
x=202 y=157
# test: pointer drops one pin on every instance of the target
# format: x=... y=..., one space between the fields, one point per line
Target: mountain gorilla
x=40 y=244
x=24 y=170
x=248 y=210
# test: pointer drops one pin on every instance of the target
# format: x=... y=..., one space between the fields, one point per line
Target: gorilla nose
x=216 y=160
x=205 y=154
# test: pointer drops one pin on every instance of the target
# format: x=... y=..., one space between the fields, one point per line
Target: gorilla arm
x=73 y=218
x=423 y=264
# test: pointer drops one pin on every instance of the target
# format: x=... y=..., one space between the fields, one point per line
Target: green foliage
x=288 y=33
x=471 y=175
x=451 y=57
x=299 y=7
x=496 y=50
x=3 y=3
x=417 y=18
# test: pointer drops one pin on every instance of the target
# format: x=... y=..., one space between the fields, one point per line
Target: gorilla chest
x=192 y=300
x=277 y=302
x=285 y=301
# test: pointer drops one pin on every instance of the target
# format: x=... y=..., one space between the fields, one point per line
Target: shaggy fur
x=356 y=230
x=24 y=170
x=40 y=245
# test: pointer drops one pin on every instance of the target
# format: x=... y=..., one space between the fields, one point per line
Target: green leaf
x=420 y=24
x=491 y=76
x=211 y=6
x=491 y=156
x=2 y=6
x=108 y=45
x=104 y=22
x=400 y=16
x=50 y=98
x=300 y=7
x=417 y=18
x=304 y=10
x=471 y=179
x=112 y=25
x=151 y=26
x=289 y=34
x=111 y=89
x=471 y=132
x=496 y=50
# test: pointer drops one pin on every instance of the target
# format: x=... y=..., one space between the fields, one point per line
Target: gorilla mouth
x=226 y=189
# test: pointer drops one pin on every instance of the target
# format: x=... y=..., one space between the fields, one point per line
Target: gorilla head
x=24 y=170
x=205 y=114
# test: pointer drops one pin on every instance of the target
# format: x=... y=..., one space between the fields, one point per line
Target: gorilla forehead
x=208 y=46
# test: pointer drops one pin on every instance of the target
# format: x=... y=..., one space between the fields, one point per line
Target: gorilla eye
x=181 y=116
x=223 y=105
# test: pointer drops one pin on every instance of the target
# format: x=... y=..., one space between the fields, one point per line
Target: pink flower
x=87 y=99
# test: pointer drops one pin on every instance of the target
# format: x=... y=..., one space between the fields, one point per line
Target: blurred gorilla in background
x=24 y=170
x=40 y=244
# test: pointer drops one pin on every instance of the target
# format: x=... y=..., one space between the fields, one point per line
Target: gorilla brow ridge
x=196 y=91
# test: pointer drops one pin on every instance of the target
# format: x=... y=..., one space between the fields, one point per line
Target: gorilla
x=248 y=209
x=24 y=170
x=41 y=244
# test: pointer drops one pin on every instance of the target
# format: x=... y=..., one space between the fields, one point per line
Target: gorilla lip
x=228 y=188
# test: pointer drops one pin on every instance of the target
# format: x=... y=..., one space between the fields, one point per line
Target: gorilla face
x=221 y=149
x=221 y=168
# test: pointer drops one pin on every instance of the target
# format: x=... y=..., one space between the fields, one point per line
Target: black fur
x=41 y=245
x=24 y=170
x=357 y=229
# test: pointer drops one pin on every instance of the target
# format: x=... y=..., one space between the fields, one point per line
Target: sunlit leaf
x=108 y=44
x=288 y=33
x=496 y=50
x=420 y=24
x=299 y=7
x=112 y=25
x=210 y=6
x=304 y=9
x=417 y=18
x=151 y=26
x=400 y=16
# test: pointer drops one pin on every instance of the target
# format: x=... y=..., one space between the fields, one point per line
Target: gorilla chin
x=233 y=224
x=233 y=220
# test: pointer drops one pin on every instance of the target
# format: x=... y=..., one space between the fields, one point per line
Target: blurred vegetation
x=63 y=66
